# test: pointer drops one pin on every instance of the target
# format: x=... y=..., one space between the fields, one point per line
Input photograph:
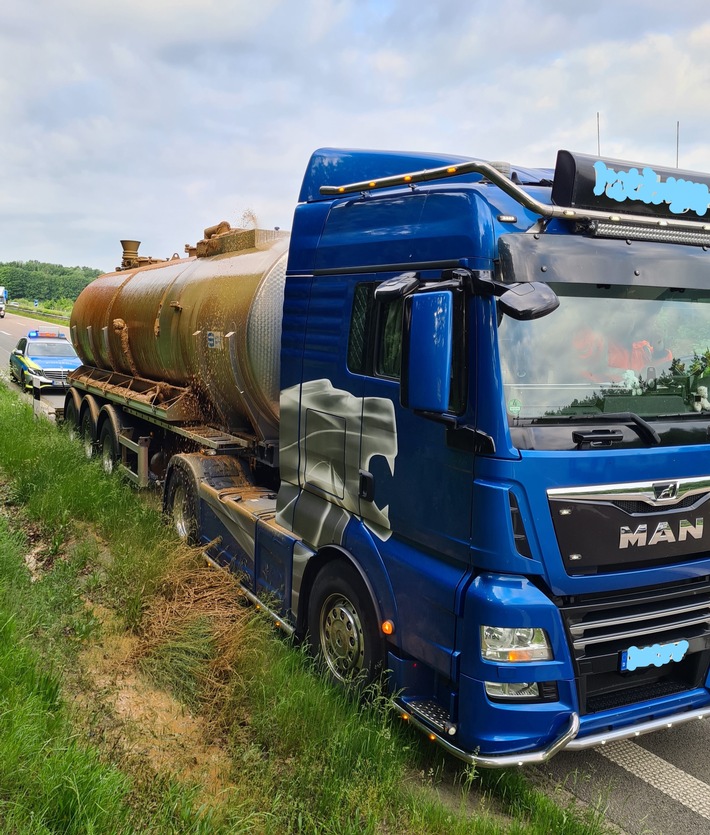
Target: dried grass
x=195 y=592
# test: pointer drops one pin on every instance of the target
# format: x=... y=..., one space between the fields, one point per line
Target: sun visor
x=581 y=260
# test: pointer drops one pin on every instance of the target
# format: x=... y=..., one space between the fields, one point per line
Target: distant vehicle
x=48 y=356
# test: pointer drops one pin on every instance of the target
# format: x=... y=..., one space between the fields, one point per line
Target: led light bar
x=601 y=229
x=609 y=222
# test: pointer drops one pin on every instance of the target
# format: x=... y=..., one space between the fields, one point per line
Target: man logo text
x=663 y=533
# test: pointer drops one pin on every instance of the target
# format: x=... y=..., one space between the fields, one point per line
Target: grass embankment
x=102 y=611
x=45 y=313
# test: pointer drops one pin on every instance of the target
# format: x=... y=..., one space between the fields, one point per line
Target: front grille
x=56 y=376
x=621 y=534
x=601 y=627
x=645 y=508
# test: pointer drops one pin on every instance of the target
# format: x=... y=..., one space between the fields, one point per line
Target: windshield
x=60 y=348
x=609 y=349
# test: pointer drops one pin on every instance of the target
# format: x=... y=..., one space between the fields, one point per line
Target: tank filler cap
x=131 y=259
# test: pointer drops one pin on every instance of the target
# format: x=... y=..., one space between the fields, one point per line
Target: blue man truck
x=456 y=427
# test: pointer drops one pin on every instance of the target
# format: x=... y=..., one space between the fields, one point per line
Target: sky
x=151 y=120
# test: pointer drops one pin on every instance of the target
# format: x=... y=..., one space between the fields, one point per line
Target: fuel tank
x=210 y=323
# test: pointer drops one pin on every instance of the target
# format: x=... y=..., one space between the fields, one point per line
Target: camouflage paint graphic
x=327 y=436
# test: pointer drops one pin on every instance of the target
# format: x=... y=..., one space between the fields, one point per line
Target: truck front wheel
x=181 y=505
x=342 y=625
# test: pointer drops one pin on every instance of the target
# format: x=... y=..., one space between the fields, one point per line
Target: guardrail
x=11 y=308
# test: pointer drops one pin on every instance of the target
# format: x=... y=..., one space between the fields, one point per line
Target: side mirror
x=528 y=300
x=427 y=351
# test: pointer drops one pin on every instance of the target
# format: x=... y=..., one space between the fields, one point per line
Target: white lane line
x=666 y=778
x=6 y=333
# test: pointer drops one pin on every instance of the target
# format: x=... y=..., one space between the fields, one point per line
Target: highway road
x=658 y=784
x=12 y=328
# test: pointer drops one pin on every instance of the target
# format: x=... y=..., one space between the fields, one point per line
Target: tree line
x=44 y=282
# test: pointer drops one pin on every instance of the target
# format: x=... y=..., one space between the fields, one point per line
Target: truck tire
x=87 y=432
x=71 y=416
x=181 y=503
x=109 y=448
x=342 y=625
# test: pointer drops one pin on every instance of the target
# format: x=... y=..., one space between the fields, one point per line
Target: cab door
x=416 y=486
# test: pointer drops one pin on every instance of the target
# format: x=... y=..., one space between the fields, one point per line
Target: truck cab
x=506 y=434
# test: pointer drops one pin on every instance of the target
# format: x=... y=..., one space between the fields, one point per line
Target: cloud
x=154 y=120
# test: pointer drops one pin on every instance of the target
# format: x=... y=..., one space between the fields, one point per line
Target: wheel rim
x=341 y=637
x=107 y=456
x=180 y=512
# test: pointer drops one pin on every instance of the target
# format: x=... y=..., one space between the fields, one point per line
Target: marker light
x=514 y=644
x=388 y=627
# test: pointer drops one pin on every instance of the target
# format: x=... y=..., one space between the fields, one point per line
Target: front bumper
x=567 y=740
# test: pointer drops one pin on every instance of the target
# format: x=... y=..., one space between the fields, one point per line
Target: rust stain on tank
x=212 y=324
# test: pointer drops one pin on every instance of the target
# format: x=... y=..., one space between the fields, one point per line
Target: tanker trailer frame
x=179 y=390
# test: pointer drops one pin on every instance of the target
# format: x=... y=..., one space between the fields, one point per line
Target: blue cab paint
x=452 y=560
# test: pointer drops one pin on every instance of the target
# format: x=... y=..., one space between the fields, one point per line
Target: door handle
x=367 y=486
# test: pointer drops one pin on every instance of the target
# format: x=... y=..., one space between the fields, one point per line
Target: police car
x=48 y=356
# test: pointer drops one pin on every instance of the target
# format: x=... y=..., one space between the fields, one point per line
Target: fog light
x=512 y=690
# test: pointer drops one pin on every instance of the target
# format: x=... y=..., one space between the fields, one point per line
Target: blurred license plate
x=635 y=658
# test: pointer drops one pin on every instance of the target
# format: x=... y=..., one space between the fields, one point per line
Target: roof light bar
x=663 y=233
x=407 y=179
x=640 y=222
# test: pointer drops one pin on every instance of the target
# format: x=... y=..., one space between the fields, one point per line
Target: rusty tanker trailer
x=181 y=354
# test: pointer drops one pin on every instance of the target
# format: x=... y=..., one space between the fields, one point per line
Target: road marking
x=666 y=778
x=6 y=333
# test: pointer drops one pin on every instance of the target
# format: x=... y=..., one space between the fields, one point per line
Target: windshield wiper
x=642 y=428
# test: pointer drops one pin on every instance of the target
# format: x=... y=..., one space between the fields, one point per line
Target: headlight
x=501 y=643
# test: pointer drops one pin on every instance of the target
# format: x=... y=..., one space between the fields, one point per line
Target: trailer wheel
x=342 y=625
x=181 y=505
x=108 y=447
x=87 y=432
x=71 y=417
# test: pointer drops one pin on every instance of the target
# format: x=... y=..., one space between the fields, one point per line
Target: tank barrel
x=210 y=323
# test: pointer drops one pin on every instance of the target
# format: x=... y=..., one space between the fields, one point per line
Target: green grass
x=51 y=780
x=305 y=758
